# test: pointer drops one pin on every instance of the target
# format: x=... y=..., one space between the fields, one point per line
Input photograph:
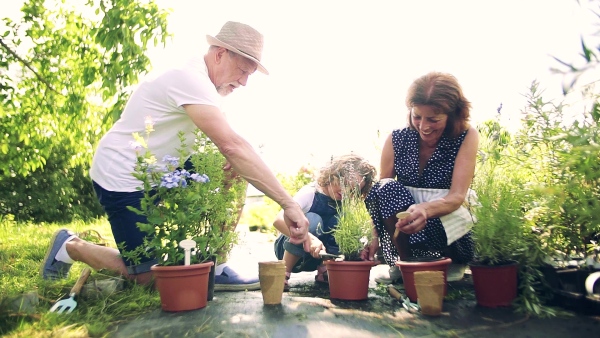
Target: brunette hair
x=442 y=92
x=342 y=167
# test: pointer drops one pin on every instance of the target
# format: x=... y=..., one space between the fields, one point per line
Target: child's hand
x=316 y=246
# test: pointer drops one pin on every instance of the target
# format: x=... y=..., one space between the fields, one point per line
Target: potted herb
x=184 y=205
x=349 y=278
x=499 y=233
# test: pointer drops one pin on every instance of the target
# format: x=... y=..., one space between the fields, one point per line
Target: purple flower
x=200 y=178
x=135 y=145
x=172 y=180
x=172 y=160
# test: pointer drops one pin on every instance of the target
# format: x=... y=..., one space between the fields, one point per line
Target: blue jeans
x=123 y=223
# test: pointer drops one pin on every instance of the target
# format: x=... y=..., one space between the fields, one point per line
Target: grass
x=22 y=249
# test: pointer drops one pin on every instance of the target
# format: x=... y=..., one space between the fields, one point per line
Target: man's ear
x=220 y=54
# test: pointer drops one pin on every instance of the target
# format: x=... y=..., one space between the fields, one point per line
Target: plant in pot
x=349 y=276
x=567 y=197
x=187 y=212
x=501 y=235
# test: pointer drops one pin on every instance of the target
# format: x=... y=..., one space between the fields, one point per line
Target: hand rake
x=69 y=304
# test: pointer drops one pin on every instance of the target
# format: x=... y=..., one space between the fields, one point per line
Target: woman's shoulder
x=403 y=134
x=470 y=133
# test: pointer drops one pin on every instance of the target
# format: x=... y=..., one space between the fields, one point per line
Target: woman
x=426 y=170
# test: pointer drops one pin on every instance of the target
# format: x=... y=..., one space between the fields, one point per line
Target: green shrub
x=55 y=193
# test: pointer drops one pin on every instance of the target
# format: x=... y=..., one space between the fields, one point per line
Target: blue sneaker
x=51 y=268
x=229 y=280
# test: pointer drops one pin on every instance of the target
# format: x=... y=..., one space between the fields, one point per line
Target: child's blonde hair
x=341 y=169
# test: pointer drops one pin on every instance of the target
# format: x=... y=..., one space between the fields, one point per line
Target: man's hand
x=298 y=226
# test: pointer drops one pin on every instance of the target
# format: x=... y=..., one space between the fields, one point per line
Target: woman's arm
x=464 y=170
x=387 y=159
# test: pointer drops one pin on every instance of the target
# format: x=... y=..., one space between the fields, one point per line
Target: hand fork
x=69 y=304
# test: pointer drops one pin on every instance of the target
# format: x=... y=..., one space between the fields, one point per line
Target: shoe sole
x=387 y=281
x=237 y=287
x=383 y=281
x=455 y=278
x=49 y=251
x=455 y=274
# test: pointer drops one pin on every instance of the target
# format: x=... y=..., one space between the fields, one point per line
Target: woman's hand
x=416 y=221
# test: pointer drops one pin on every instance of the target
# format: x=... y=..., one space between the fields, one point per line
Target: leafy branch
x=27 y=65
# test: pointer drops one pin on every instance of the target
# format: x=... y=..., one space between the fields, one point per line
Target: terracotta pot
x=182 y=287
x=349 y=280
x=495 y=286
x=409 y=267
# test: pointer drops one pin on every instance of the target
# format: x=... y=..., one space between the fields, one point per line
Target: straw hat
x=240 y=39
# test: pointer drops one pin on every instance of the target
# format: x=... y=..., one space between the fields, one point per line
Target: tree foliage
x=66 y=70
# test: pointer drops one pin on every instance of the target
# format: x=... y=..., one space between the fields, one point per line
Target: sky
x=340 y=69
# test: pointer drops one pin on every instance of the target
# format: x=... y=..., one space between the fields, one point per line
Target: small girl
x=320 y=202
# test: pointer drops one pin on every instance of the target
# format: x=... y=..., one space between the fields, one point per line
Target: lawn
x=22 y=249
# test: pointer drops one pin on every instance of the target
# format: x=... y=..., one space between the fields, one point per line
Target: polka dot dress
x=388 y=197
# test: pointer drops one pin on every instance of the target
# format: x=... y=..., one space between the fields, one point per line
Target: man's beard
x=224 y=90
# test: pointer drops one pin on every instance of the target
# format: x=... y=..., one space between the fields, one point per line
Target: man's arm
x=248 y=164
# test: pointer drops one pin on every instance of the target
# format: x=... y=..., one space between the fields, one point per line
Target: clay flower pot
x=495 y=286
x=409 y=267
x=182 y=287
x=349 y=280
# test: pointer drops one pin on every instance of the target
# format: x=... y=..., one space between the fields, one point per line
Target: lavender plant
x=355 y=228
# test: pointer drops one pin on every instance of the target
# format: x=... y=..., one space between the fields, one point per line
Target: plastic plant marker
x=401 y=215
x=187 y=245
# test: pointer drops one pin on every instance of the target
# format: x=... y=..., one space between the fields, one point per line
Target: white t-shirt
x=159 y=99
x=305 y=196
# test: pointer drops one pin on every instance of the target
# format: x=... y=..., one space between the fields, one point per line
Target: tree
x=66 y=70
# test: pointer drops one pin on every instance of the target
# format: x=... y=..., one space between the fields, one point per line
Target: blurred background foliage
x=66 y=69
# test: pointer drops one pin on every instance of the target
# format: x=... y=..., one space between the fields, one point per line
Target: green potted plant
x=183 y=206
x=349 y=276
x=567 y=195
x=500 y=234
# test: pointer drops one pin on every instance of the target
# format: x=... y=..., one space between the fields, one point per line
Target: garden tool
x=69 y=304
x=406 y=303
x=325 y=256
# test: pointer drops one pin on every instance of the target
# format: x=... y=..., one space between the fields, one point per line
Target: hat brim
x=216 y=42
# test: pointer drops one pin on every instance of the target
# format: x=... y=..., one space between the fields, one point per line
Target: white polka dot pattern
x=388 y=197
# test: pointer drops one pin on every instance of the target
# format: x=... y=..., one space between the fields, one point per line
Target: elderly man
x=180 y=99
